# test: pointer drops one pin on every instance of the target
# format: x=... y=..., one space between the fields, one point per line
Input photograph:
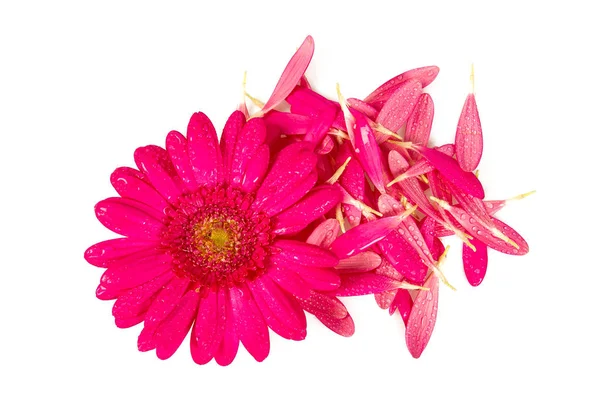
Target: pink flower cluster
x=291 y=209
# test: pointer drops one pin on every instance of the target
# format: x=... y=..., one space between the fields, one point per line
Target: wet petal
x=305 y=253
x=137 y=300
x=425 y=75
x=418 y=125
x=324 y=234
x=249 y=323
x=130 y=183
x=365 y=284
x=130 y=218
x=361 y=262
x=229 y=345
x=249 y=140
x=469 y=138
x=256 y=169
x=398 y=107
x=155 y=163
x=175 y=327
x=209 y=327
x=475 y=262
x=422 y=318
x=403 y=303
x=177 y=147
x=315 y=204
x=232 y=128
x=203 y=150
x=104 y=253
x=289 y=280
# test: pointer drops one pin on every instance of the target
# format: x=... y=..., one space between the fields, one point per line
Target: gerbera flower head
x=208 y=242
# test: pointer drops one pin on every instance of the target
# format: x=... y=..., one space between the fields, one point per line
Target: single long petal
x=365 y=284
x=353 y=177
x=249 y=323
x=282 y=312
x=320 y=304
x=450 y=170
x=425 y=75
x=384 y=299
x=288 y=280
x=203 y=150
x=288 y=123
x=403 y=256
x=292 y=74
x=317 y=278
x=249 y=140
x=315 y=204
x=418 y=125
x=156 y=164
x=104 y=253
x=229 y=345
x=363 y=108
x=209 y=327
x=256 y=169
x=365 y=235
x=130 y=218
x=130 y=183
x=402 y=302
x=422 y=318
x=229 y=136
x=177 y=147
x=367 y=151
x=175 y=327
x=475 y=262
x=469 y=138
x=305 y=253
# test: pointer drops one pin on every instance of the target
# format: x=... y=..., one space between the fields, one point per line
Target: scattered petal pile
x=292 y=208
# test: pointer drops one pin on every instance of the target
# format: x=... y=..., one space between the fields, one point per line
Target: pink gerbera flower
x=208 y=243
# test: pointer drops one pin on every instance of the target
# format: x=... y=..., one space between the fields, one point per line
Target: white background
x=81 y=86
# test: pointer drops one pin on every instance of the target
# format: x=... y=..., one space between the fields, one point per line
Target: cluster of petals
x=307 y=200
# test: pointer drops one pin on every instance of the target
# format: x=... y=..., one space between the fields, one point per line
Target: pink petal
x=232 y=128
x=155 y=163
x=403 y=256
x=398 y=107
x=162 y=305
x=363 y=108
x=425 y=75
x=290 y=178
x=325 y=233
x=249 y=140
x=359 y=263
x=326 y=146
x=130 y=218
x=429 y=235
x=292 y=74
x=104 y=253
x=319 y=304
x=203 y=150
x=137 y=300
x=174 y=328
x=249 y=323
x=365 y=284
x=130 y=183
x=363 y=236
x=177 y=147
x=229 y=345
x=422 y=318
x=343 y=327
x=469 y=139
x=209 y=327
x=353 y=177
x=386 y=269
x=449 y=168
x=475 y=262
x=418 y=125
x=282 y=312
x=287 y=123
x=384 y=299
x=367 y=151
x=305 y=253
x=316 y=203
x=256 y=169
x=317 y=278
x=403 y=303
x=289 y=280
x=310 y=103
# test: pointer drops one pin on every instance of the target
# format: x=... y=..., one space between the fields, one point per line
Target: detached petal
x=425 y=75
x=469 y=138
x=475 y=262
x=398 y=107
x=422 y=318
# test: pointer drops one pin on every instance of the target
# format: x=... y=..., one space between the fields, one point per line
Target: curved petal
x=203 y=150
x=209 y=327
x=250 y=324
x=256 y=169
x=130 y=183
x=229 y=136
x=155 y=163
x=404 y=303
x=289 y=281
x=104 y=253
x=177 y=147
x=316 y=203
x=174 y=328
x=130 y=218
x=230 y=343
x=249 y=140
x=119 y=278
x=305 y=253
x=282 y=312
